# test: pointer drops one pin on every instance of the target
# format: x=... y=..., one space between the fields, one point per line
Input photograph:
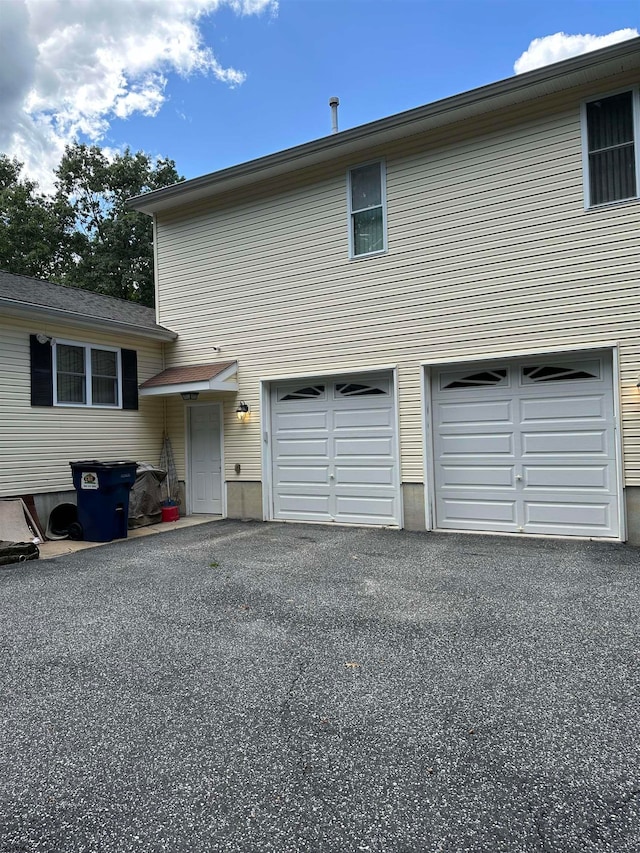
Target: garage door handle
x=518 y=476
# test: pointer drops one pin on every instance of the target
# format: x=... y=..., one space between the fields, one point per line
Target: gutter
x=17 y=308
x=572 y=71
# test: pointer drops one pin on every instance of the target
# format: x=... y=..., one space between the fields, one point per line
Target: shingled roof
x=23 y=295
x=188 y=373
x=218 y=376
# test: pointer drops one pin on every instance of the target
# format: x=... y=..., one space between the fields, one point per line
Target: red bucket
x=170 y=513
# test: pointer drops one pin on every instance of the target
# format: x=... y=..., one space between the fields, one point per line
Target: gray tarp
x=145 y=498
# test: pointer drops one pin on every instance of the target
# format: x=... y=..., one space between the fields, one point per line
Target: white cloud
x=549 y=49
x=70 y=68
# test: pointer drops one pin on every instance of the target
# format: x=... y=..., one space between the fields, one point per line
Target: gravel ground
x=271 y=687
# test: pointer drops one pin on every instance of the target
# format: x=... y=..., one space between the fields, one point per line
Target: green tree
x=36 y=236
x=114 y=245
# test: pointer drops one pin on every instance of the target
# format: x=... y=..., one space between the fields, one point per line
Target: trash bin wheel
x=75 y=530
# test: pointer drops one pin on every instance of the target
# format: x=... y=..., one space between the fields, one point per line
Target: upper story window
x=367 y=210
x=86 y=375
x=611 y=152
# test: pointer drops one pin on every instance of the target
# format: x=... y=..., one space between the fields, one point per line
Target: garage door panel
x=307 y=447
x=304 y=506
x=556 y=458
x=491 y=411
x=491 y=476
x=564 y=408
x=592 y=477
x=569 y=443
x=295 y=421
x=362 y=510
x=586 y=516
x=363 y=447
x=363 y=419
x=381 y=475
x=477 y=444
x=476 y=510
x=303 y=474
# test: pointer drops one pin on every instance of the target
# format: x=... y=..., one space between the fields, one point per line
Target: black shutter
x=129 y=378
x=41 y=372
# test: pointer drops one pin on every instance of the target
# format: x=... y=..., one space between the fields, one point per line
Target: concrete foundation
x=244 y=500
x=632 y=495
x=413 y=506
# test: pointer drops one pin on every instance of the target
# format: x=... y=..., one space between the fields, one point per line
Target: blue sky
x=378 y=56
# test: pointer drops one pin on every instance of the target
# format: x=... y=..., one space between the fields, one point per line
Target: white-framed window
x=366 y=191
x=611 y=156
x=86 y=375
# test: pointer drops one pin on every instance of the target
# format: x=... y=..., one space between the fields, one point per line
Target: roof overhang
x=24 y=310
x=581 y=70
x=180 y=380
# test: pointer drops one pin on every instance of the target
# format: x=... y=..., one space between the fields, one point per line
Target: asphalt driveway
x=254 y=687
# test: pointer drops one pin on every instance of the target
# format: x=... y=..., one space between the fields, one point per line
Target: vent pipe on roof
x=333 y=103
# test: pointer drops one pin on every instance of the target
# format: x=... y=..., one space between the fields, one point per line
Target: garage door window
x=353 y=389
x=560 y=372
x=474 y=380
x=308 y=392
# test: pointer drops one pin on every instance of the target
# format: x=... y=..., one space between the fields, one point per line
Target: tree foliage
x=84 y=235
x=35 y=231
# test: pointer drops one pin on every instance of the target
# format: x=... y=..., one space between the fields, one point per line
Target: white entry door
x=527 y=447
x=205 y=457
x=333 y=451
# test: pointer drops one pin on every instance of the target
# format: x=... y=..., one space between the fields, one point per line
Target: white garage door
x=333 y=451
x=527 y=447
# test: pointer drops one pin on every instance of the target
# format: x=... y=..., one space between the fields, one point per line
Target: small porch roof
x=219 y=376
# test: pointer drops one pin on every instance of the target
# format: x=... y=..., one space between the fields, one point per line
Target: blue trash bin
x=103 y=498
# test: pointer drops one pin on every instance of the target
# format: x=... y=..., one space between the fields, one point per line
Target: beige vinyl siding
x=490 y=252
x=37 y=443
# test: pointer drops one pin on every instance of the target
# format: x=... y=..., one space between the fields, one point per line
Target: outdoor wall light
x=189 y=395
x=44 y=339
x=242 y=412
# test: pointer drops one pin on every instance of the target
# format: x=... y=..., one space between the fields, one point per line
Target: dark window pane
x=612 y=175
x=70 y=359
x=367 y=232
x=104 y=362
x=71 y=385
x=71 y=389
x=610 y=121
x=366 y=190
x=104 y=377
x=104 y=391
